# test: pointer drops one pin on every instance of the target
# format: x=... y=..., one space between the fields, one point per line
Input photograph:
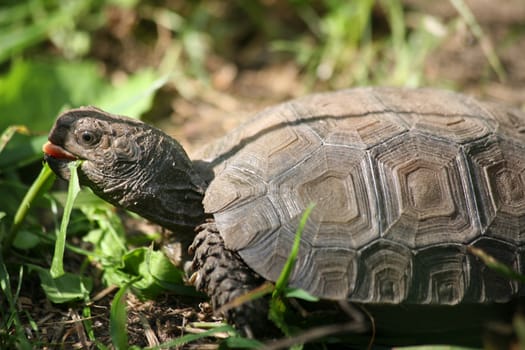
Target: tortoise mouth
x=52 y=150
x=58 y=158
x=59 y=166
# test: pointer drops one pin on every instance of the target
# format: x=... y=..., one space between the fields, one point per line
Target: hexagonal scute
x=498 y=168
x=404 y=180
x=337 y=179
x=267 y=144
x=441 y=275
x=439 y=113
x=276 y=151
x=510 y=121
x=240 y=230
x=231 y=189
x=457 y=128
x=425 y=193
x=385 y=273
x=329 y=272
x=356 y=119
x=268 y=253
x=494 y=286
x=359 y=131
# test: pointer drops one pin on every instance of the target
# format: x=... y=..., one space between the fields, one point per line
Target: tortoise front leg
x=221 y=274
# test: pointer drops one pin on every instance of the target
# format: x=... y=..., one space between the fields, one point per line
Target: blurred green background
x=118 y=54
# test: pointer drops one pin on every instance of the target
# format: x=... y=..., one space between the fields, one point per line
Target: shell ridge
x=429 y=147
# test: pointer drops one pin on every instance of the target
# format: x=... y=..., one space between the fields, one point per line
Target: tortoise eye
x=88 y=138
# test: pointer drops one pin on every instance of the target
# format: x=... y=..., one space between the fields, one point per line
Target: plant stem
x=34 y=191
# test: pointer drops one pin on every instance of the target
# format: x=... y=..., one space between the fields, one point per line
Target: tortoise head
x=129 y=164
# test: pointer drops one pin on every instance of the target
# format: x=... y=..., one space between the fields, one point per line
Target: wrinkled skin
x=137 y=167
x=130 y=165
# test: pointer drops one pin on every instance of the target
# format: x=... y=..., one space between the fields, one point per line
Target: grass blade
x=496 y=265
x=57 y=266
x=41 y=183
x=518 y=324
x=282 y=281
x=117 y=320
x=256 y=293
x=192 y=337
x=24 y=33
x=278 y=306
x=486 y=45
x=279 y=289
x=5 y=287
x=8 y=134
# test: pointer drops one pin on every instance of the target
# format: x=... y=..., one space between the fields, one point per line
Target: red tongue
x=57 y=152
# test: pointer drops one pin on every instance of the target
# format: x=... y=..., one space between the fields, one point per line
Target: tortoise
x=404 y=181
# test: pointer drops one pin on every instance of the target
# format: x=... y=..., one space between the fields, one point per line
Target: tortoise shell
x=403 y=182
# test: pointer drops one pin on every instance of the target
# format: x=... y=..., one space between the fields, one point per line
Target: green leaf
x=150 y=271
x=277 y=312
x=21 y=37
x=88 y=322
x=159 y=267
x=300 y=294
x=109 y=237
x=86 y=200
x=133 y=97
x=57 y=266
x=69 y=84
x=68 y=287
x=26 y=239
x=146 y=285
x=20 y=151
x=117 y=320
x=14 y=13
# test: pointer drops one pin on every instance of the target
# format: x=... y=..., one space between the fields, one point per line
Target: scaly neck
x=162 y=187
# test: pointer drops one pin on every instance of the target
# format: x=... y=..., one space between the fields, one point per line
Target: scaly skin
x=137 y=167
x=131 y=165
x=222 y=274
